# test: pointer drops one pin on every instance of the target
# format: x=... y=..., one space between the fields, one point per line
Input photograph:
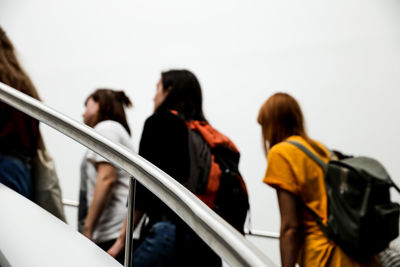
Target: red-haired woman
x=297 y=178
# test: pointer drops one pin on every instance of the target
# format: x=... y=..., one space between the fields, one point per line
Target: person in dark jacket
x=168 y=240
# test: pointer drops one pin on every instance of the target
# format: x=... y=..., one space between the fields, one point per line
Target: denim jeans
x=157 y=249
x=15 y=174
x=192 y=251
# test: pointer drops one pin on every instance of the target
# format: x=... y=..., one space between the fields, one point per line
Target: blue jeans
x=15 y=174
x=157 y=249
x=192 y=251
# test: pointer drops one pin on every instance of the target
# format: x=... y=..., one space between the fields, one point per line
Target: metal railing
x=247 y=231
x=70 y=203
x=261 y=233
x=218 y=234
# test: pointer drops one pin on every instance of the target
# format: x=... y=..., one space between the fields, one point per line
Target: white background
x=340 y=59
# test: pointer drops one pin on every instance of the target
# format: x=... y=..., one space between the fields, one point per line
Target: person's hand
x=88 y=232
x=117 y=248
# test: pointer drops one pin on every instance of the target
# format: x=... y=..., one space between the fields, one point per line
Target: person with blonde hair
x=298 y=181
x=19 y=133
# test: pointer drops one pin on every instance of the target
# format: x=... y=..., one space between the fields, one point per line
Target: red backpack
x=214 y=173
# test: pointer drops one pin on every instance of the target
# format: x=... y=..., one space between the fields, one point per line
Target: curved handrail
x=247 y=231
x=217 y=233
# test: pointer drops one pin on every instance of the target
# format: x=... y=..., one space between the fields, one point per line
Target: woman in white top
x=104 y=187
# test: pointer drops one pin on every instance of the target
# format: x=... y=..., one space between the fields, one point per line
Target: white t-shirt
x=112 y=218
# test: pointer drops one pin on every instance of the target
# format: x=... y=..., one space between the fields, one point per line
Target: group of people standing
x=165 y=239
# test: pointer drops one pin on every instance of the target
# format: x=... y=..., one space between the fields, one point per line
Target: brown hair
x=281 y=117
x=11 y=72
x=111 y=106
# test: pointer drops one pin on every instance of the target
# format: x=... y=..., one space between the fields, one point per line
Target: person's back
x=290 y=169
x=164 y=142
x=19 y=133
x=299 y=181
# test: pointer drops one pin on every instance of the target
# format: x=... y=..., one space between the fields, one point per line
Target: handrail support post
x=130 y=222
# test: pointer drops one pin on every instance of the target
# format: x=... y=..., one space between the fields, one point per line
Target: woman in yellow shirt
x=297 y=178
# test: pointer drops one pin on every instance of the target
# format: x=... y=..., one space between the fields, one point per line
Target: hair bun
x=123 y=98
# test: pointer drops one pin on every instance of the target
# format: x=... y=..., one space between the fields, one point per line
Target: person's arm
x=119 y=244
x=290 y=228
x=106 y=178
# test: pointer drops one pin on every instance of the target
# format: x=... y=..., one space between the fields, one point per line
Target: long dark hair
x=111 y=106
x=11 y=72
x=184 y=94
x=281 y=117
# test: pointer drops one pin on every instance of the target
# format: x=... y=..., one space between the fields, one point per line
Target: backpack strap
x=318 y=219
x=323 y=165
x=314 y=157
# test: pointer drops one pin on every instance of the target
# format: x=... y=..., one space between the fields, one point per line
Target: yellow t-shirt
x=290 y=169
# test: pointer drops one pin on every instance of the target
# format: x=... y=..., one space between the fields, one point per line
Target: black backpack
x=231 y=200
x=362 y=220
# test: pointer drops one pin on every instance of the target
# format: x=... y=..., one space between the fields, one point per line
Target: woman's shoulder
x=164 y=114
x=106 y=123
x=164 y=118
x=286 y=147
x=289 y=150
x=110 y=126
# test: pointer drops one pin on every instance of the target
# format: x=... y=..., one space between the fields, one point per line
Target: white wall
x=340 y=59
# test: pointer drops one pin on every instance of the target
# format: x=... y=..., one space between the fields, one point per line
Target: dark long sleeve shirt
x=164 y=143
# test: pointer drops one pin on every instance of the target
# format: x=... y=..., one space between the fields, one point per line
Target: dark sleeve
x=164 y=143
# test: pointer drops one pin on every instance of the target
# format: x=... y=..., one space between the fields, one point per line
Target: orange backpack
x=214 y=173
